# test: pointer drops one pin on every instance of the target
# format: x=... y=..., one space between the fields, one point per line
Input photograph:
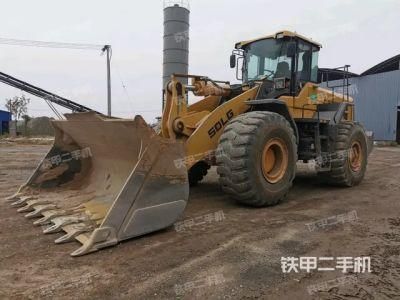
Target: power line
x=127 y=94
x=32 y=43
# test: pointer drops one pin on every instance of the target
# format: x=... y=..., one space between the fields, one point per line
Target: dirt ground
x=236 y=254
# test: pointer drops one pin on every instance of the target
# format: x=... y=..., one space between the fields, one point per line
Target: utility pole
x=107 y=49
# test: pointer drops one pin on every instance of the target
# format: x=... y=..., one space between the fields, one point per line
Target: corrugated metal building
x=5 y=118
x=376 y=93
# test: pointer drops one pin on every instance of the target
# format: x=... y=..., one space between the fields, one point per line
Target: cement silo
x=176 y=39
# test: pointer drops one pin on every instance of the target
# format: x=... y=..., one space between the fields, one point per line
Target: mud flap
x=104 y=181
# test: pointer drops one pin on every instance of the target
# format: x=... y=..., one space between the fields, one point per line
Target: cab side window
x=304 y=62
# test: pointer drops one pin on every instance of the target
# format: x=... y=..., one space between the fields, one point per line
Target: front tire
x=256 y=158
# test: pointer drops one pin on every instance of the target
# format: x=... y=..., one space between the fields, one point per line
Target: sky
x=361 y=33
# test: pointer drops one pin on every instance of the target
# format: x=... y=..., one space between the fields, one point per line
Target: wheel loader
x=106 y=179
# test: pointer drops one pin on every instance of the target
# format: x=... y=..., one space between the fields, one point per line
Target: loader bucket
x=105 y=180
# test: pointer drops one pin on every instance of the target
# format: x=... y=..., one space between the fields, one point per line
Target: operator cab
x=286 y=60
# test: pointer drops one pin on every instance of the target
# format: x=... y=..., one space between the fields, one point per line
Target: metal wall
x=5 y=115
x=176 y=39
x=376 y=99
x=5 y=118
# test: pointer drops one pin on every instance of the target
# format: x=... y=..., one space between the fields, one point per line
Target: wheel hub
x=275 y=160
x=355 y=157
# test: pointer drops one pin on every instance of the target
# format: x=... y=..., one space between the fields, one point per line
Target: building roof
x=388 y=65
x=278 y=35
x=325 y=74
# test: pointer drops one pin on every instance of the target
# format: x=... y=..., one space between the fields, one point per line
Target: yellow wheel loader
x=106 y=179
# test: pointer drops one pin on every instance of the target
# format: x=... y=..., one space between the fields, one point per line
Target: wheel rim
x=356 y=156
x=274 y=160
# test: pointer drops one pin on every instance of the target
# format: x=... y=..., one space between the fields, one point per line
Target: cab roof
x=278 y=34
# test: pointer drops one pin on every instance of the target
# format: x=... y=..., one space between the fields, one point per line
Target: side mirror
x=232 y=61
x=291 y=49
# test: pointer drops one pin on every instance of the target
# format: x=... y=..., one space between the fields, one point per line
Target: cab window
x=307 y=62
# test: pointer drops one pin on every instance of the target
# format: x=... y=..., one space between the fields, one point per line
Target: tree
x=17 y=106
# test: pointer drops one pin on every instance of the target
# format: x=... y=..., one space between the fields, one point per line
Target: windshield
x=266 y=59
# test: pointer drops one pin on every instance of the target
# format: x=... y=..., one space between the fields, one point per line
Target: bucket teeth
x=59 y=222
x=81 y=251
x=30 y=205
x=26 y=208
x=14 y=197
x=39 y=209
x=49 y=215
x=20 y=201
x=76 y=230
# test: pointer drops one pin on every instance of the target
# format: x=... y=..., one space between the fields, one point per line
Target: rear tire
x=256 y=158
x=349 y=161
